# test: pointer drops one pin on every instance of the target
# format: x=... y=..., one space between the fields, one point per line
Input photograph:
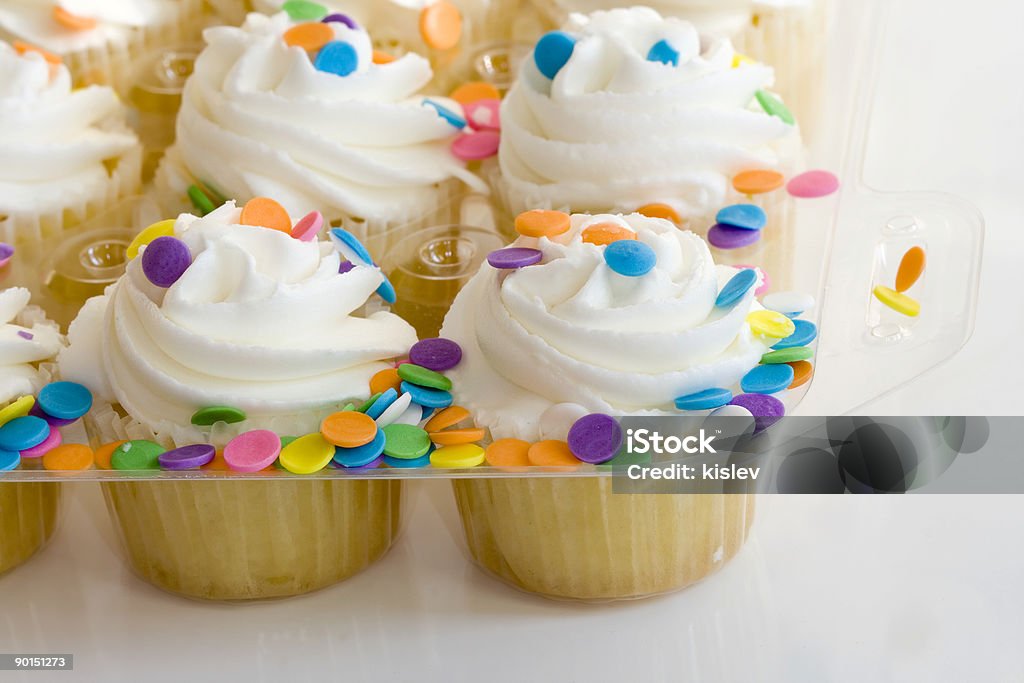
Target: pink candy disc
x=765 y=285
x=308 y=226
x=252 y=451
x=475 y=146
x=484 y=114
x=813 y=184
x=49 y=443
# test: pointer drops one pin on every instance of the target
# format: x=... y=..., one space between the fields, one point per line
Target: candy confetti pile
x=30 y=429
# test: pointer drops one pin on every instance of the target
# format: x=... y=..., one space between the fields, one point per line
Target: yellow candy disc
x=738 y=59
x=17 y=409
x=901 y=303
x=161 y=229
x=770 y=324
x=307 y=454
x=463 y=455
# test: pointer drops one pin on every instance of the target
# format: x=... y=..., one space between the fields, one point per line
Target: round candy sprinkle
x=441 y=25
x=21 y=47
x=789 y=355
x=804 y=334
x=802 y=372
x=361 y=456
x=65 y=400
x=449 y=417
x=159 y=229
x=199 y=200
x=595 y=438
x=659 y=210
x=421 y=376
x=437 y=354
x=738 y=59
x=384 y=380
x=911 y=267
x=6 y=254
x=394 y=412
x=789 y=303
x=350 y=246
x=348 y=429
x=405 y=441
x=552 y=52
x=508 y=453
x=767 y=410
x=773 y=106
x=308 y=226
x=187 y=457
x=252 y=451
x=345 y=266
x=9 y=460
x=308 y=36
x=631 y=258
x=381 y=57
x=430 y=398
x=662 y=51
x=770 y=324
x=104 y=454
x=474 y=91
x=541 y=223
x=757 y=181
x=383 y=402
x=455 y=437
x=901 y=303
x=447 y=114
x=766 y=281
x=23 y=433
x=165 y=260
x=707 y=399
x=266 y=213
x=746 y=216
x=18 y=408
x=339 y=18
x=813 y=184
x=137 y=455
x=728 y=237
x=767 y=379
x=52 y=440
x=476 y=146
x=205 y=417
x=735 y=289
x=386 y=291
x=303 y=10
x=484 y=115
x=51 y=420
x=406 y=463
x=511 y=258
x=307 y=454
x=461 y=456
x=551 y=453
x=71 y=21
x=369 y=402
x=338 y=58
x=606 y=233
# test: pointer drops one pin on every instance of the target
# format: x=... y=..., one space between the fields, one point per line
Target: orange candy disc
x=606 y=233
x=312 y=35
x=441 y=25
x=508 y=453
x=72 y=21
x=266 y=213
x=757 y=182
x=660 y=211
x=911 y=267
x=104 y=453
x=348 y=429
x=381 y=57
x=449 y=417
x=384 y=380
x=456 y=437
x=474 y=91
x=551 y=453
x=540 y=223
x=70 y=456
x=22 y=47
x=802 y=372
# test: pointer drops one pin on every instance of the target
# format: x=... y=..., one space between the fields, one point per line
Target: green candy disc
x=773 y=106
x=406 y=442
x=787 y=355
x=214 y=414
x=200 y=200
x=303 y=10
x=137 y=455
x=369 y=402
x=421 y=376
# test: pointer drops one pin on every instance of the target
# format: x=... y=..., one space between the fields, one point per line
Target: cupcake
x=282 y=332
x=28 y=344
x=322 y=128
x=68 y=154
x=100 y=41
x=578 y=334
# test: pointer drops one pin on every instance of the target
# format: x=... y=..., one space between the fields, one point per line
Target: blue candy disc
x=767 y=379
x=382 y=403
x=746 y=216
x=350 y=247
x=427 y=413
x=422 y=461
x=386 y=291
x=447 y=114
x=9 y=460
x=709 y=399
x=64 y=400
x=803 y=335
x=338 y=58
x=23 y=433
x=662 y=51
x=361 y=455
x=430 y=398
x=552 y=52
x=738 y=285
x=631 y=258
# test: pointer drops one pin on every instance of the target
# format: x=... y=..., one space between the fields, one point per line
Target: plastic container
x=29 y=512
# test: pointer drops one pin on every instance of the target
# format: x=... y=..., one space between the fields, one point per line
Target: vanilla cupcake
x=260 y=117
x=268 y=325
x=28 y=345
x=100 y=40
x=570 y=336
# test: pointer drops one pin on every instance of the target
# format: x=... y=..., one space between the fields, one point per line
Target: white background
x=840 y=589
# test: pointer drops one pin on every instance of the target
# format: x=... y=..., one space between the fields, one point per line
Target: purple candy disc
x=6 y=253
x=51 y=420
x=187 y=457
x=514 y=257
x=767 y=410
x=345 y=267
x=165 y=260
x=339 y=18
x=436 y=354
x=728 y=237
x=595 y=438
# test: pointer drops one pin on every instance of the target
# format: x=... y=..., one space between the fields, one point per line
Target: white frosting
x=260 y=321
x=259 y=120
x=54 y=141
x=32 y=21
x=723 y=18
x=614 y=131
x=20 y=355
x=571 y=330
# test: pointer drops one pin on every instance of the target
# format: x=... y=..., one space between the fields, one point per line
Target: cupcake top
x=574 y=329
x=54 y=140
x=624 y=108
x=713 y=17
x=26 y=340
x=317 y=126
x=218 y=313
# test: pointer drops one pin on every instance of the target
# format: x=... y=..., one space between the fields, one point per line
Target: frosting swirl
x=722 y=18
x=33 y=21
x=260 y=321
x=571 y=330
x=22 y=346
x=615 y=131
x=54 y=140
x=259 y=119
